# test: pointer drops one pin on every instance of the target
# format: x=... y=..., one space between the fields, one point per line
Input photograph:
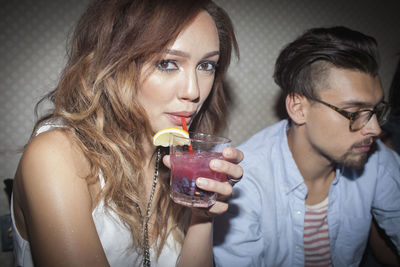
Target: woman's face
x=178 y=85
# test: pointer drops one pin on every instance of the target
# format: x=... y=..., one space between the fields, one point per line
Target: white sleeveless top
x=114 y=236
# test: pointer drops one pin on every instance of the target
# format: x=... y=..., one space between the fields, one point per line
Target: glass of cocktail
x=190 y=159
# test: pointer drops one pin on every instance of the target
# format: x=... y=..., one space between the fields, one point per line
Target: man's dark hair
x=303 y=64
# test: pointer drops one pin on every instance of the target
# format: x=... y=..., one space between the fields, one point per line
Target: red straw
x=186 y=129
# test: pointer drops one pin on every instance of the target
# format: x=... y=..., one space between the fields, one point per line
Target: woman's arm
x=197 y=246
x=53 y=205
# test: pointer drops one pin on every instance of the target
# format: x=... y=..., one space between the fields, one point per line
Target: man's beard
x=354 y=160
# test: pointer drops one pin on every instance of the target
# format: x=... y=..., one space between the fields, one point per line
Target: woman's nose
x=190 y=90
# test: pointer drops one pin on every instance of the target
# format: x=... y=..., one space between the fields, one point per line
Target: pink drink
x=185 y=169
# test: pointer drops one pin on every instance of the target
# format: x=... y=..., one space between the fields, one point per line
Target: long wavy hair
x=96 y=99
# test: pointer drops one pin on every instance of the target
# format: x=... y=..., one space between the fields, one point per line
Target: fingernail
x=216 y=163
x=201 y=182
x=228 y=152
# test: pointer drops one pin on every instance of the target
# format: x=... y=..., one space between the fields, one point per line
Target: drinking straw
x=186 y=129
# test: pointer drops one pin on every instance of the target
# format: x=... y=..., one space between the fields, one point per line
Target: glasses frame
x=352 y=116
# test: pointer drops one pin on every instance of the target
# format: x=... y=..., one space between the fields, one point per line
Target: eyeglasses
x=360 y=118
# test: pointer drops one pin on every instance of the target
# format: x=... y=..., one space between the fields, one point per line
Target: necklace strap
x=145 y=219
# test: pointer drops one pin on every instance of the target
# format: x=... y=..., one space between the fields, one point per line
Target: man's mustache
x=367 y=141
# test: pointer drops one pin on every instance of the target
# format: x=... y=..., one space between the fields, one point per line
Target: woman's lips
x=175 y=117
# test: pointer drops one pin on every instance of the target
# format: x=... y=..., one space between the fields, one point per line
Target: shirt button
x=301 y=187
x=297 y=247
x=286 y=189
x=298 y=212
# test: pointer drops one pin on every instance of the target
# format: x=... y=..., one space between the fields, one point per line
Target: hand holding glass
x=190 y=159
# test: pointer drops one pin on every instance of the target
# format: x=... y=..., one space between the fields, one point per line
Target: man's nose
x=372 y=127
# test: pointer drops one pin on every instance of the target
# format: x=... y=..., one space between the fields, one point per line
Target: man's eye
x=167 y=65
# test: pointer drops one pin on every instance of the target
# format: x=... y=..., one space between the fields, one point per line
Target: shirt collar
x=292 y=177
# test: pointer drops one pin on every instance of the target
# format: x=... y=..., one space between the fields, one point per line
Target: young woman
x=91 y=189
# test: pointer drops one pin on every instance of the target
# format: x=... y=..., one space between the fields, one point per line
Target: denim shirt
x=265 y=222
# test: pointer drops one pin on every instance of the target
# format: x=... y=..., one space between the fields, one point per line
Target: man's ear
x=296 y=107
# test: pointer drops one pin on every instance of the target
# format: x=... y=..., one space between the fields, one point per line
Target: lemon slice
x=162 y=137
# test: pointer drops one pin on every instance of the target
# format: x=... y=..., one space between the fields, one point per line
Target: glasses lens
x=382 y=113
x=362 y=119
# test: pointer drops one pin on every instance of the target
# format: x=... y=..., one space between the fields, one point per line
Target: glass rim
x=196 y=137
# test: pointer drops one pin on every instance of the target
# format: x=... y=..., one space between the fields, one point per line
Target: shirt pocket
x=352 y=239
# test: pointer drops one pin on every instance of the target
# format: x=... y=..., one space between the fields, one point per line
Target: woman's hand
x=197 y=246
x=233 y=171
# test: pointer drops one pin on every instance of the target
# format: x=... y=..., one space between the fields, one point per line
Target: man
x=313 y=182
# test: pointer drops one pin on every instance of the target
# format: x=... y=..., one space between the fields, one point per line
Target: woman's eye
x=208 y=66
x=167 y=65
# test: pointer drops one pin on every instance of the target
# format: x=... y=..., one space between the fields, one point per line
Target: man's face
x=328 y=131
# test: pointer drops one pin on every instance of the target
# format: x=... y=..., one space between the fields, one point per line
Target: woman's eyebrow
x=177 y=53
x=211 y=54
x=187 y=55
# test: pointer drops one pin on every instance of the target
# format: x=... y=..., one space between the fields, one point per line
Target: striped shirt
x=316 y=235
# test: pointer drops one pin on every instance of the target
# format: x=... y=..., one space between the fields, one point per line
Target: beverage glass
x=189 y=162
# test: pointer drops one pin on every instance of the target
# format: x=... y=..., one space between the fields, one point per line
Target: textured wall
x=32 y=52
x=264 y=27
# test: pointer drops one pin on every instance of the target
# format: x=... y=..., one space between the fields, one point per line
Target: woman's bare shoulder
x=53 y=163
x=57 y=150
x=52 y=201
